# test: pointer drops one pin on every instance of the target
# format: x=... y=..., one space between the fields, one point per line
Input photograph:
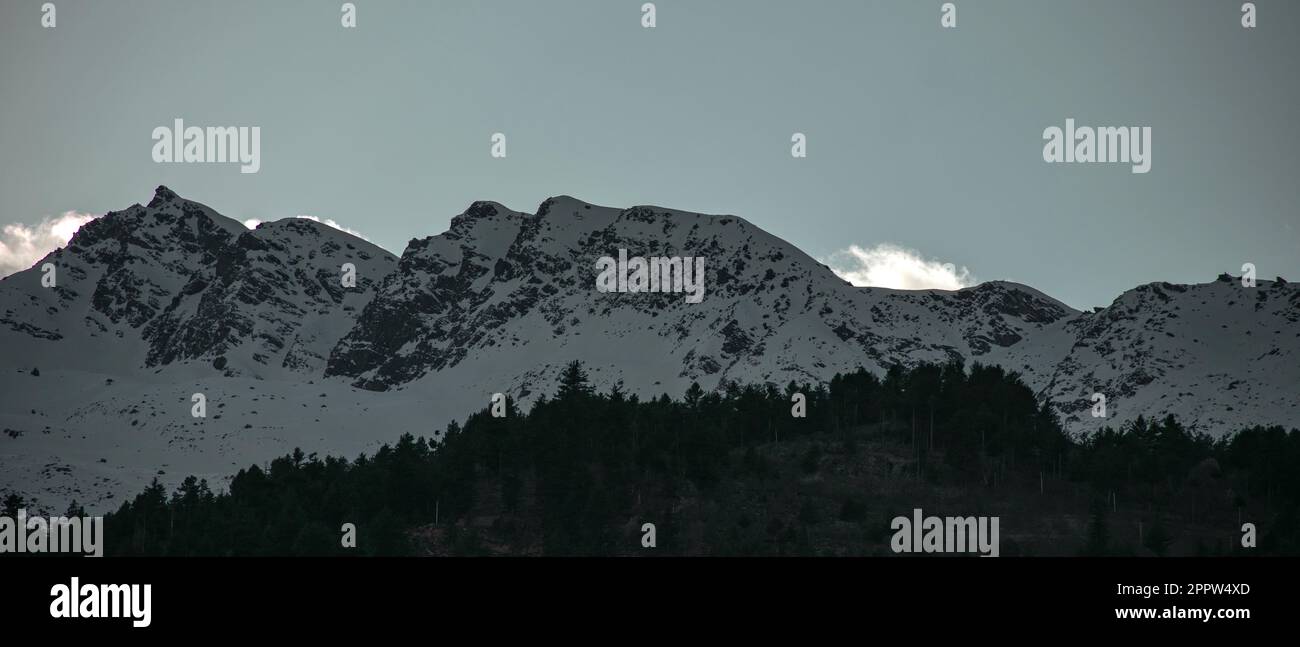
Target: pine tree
x=693 y=395
x=573 y=382
x=12 y=504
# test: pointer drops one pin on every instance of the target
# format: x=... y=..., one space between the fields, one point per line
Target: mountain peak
x=162 y=195
x=1003 y=287
x=174 y=298
x=484 y=209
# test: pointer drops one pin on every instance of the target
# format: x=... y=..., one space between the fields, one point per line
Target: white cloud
x=335 y=225
x=892 y=266
x=252 y=223
x=22 y=245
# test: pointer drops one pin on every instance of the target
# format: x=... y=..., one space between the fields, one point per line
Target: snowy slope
x=516 y=291
x=159 y=302
x=148 y=303
x=1217 y=354
x=175 y=283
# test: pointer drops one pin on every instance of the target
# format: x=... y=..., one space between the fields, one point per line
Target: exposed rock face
x=504 y=286
x=156 y=302
x=181 y=282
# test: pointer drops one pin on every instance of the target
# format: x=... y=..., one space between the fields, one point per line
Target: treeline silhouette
x=578 y=472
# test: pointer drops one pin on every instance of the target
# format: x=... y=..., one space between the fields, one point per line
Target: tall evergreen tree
x=573 y=382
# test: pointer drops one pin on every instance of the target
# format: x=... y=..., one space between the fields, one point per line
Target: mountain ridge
x=154 y=303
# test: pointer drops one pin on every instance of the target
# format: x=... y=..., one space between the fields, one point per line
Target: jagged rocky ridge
x=155 y=302
x=177 y=282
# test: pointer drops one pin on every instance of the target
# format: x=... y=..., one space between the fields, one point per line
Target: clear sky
x=922 y=137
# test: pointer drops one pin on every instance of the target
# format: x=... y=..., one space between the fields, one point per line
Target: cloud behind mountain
x=21 y=245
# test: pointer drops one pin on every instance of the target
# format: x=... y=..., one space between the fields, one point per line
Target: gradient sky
x=918 y=136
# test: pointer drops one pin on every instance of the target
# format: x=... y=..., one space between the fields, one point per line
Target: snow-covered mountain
x=156 y=303
x=1217 y=354
x=175 y=284
x=515 y=291
x=153 y=304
